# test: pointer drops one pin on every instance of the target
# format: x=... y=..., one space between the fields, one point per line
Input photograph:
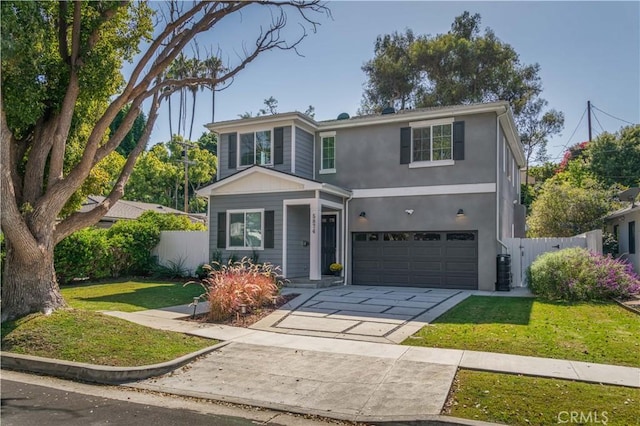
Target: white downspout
x=498 y=179
x=345 y=241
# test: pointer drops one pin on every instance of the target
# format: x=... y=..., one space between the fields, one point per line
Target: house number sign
x=313 y=223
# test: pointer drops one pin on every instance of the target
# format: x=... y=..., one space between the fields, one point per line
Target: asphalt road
x=25 y=404
x=29 y=399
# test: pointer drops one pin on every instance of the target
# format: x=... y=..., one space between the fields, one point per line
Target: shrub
x=240 y=283
x=131 y=242
x=170 y=222
x=577 y=274
x=83 y=254
x=172 y=269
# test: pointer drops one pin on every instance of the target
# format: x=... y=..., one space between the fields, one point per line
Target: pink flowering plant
x=243 y=283
x=578 y=274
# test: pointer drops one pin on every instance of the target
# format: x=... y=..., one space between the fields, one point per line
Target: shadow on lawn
x=490 y=310
x=151 y=297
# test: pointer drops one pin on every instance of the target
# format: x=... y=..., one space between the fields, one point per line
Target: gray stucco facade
x=372 y=188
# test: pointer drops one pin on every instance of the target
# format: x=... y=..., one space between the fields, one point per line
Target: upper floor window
x=432 y=141
x=328 y=152
x=256 y=148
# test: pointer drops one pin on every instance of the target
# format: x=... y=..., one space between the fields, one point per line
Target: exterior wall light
x=363 y=214
x=460 y=213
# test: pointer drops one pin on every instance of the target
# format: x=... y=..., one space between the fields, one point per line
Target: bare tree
x=36 y=184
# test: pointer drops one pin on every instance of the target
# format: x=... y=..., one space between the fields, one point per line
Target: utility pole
x=589 y=118
x=185 y=152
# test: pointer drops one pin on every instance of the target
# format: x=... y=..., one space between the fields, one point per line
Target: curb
x=102 y=374
x=409 y=420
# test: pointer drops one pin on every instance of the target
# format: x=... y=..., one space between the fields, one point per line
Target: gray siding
x=271 y=201
x=508 y=189
x=331 y=197
x=369 y=157
x=286 y=164
x=223 y=157
x=304 y=153
x=434 y=213
x=297 y=232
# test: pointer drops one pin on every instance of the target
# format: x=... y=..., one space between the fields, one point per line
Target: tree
x=615 y=158
x=271 y=106
x=564 y=210
x=130 y=141
x=155 y=178
x=393 y=76
x=62 y=88
x=461 y=66
x=208 y=141
x=535 y=128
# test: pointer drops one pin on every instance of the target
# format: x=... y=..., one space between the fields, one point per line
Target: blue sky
x=586 y=50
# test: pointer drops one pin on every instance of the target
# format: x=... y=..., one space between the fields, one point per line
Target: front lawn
x=584 y=331
x=519 y=400
x=84 y=336
x=129 y=296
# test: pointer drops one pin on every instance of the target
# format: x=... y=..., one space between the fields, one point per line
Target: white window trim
x=504 y=154
x=238 y=153
x=228 y=230
x=322 y=136
x=431 y=163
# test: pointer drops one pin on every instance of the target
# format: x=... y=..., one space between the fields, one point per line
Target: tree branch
x=63 y=46
x=13 y=223
x=81 y=220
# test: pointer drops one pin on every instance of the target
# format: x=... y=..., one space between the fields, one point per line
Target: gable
x=256 y=183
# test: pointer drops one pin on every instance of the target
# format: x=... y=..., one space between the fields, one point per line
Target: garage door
x=416 y=259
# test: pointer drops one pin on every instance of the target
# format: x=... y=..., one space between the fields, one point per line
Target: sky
x=586 y=51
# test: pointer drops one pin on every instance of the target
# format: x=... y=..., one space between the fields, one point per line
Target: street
x=36 y=400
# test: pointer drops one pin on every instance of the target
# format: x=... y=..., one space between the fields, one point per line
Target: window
x=400 y=236
x=432 y=143
x=426 y=236
x=328 y=153
x=255 y=148
x=461 y=236
x=245 y=229
x=632 y=237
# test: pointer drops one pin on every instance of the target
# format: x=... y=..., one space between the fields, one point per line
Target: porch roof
x=260 y=179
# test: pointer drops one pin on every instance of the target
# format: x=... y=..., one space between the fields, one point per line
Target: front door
x=329 y=243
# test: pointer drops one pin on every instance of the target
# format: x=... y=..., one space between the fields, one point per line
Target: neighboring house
x=625 y=225
x=124 y=209
x=415 y=198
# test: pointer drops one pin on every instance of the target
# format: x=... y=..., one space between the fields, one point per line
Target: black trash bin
x=503 y=265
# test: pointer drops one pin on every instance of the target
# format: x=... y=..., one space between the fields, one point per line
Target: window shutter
x=222 y=230
x=405 y=145
x=458 y=140
x=269 y=228
x=233 y=147
x=278 y=145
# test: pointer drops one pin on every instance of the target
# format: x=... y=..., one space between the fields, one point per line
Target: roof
x=500 y=108
x=618 y=213
x=304 y=183
x=125 y=209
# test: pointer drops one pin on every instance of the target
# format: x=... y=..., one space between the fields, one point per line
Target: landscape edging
x=103 y=374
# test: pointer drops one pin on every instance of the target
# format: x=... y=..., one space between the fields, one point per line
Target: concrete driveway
x=373 y=314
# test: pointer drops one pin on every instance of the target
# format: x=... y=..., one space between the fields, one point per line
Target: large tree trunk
x=29 y=285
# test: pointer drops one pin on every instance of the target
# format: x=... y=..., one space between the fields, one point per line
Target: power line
x=612 y=116
x=598 y=121
x=574 y=130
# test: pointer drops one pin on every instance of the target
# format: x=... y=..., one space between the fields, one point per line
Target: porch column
x=314 y=240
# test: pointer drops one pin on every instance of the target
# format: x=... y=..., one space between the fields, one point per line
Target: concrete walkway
x=340 y=378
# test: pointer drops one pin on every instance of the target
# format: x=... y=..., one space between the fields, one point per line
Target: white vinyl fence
x=189 y=249
x=524 y=251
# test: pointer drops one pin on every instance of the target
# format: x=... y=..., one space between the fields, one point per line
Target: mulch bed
x=251 y=317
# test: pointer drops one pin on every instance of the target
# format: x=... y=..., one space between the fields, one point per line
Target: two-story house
x=414 y=198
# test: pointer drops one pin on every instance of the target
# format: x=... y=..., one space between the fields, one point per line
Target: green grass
x=519 y=400
x=85 y=336
x=129 y=296
x=594 y=332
